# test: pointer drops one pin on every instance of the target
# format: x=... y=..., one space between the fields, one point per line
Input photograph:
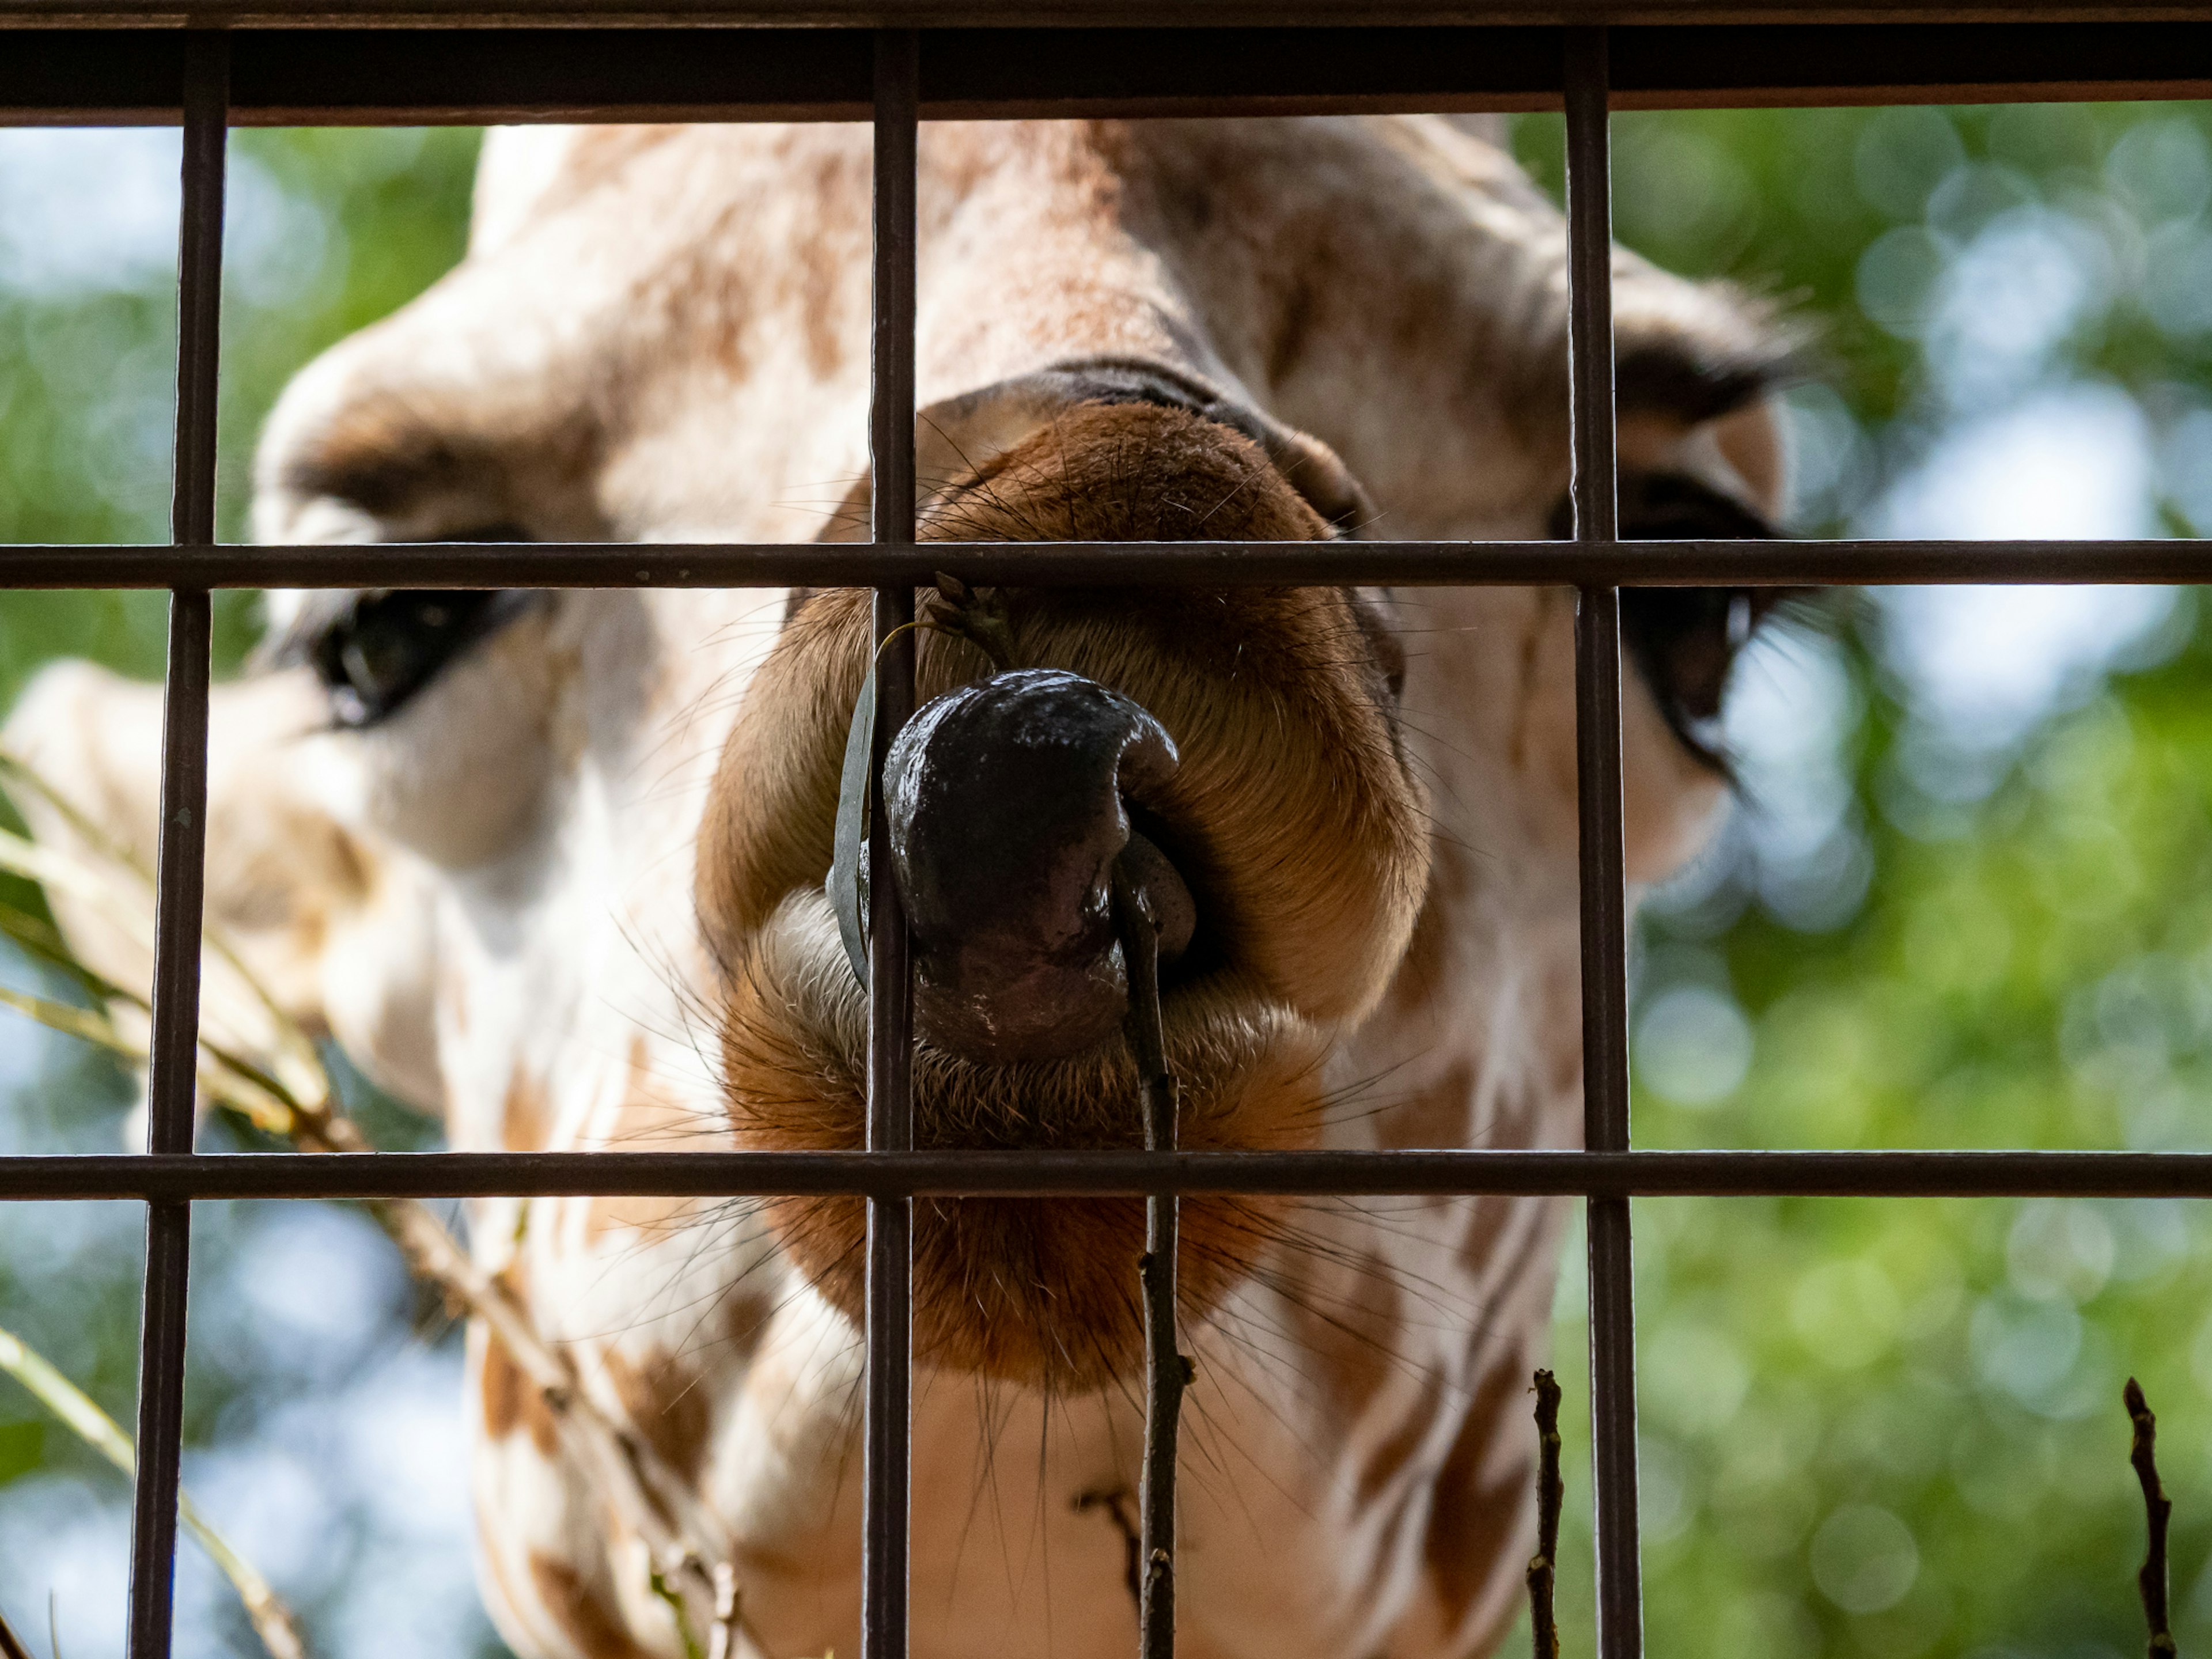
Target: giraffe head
x=590 y=838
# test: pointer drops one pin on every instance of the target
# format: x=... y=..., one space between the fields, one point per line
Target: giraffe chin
x=1039 y=1293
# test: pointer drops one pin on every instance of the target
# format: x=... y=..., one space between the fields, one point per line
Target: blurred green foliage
x=326 y=231
x=1847 y=219
x=1895 y=1428
x=1878 y=1429
x=340 y=227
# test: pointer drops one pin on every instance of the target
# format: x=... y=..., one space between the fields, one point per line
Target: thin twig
x=1544 y=1565
x=271 y=1619
x=728 y=1613
x=295 y=1058
x=978 y=614
x=1168 y=1369
x=2150 y=1582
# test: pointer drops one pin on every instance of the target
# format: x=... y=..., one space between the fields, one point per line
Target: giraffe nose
x=1006 y=803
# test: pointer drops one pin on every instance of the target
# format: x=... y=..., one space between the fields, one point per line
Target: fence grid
x=162 y=71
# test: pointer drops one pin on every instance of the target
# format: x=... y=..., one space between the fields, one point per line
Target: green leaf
x=846 y=894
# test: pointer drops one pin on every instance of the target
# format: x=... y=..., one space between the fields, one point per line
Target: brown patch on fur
x=598 y=156
x=1345 y=1346
x=1389 y=1461
x=746 y=1314
x=822 y=259
x=398 y=454
x=1437 y=1116
x=1484 y=1497
x=664 y=1399
x=512 y=1401
x=595 y=1629
x=526 y=1122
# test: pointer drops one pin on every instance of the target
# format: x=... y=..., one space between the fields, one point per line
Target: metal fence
x=355 y=62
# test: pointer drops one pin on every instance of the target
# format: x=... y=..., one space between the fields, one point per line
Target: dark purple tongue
x=1005 y=802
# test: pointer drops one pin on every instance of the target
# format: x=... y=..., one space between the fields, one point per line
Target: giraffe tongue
x=1004 y=801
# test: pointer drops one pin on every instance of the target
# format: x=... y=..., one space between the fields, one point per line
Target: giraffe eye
x=1685 y=640
x=386 y=645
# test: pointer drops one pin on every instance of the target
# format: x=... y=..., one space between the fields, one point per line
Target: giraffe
x=555 y=865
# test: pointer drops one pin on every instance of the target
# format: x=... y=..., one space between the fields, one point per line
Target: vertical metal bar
x=1590 y=285
x=886 y=1512
x=172 y=1067
x=1604 y=902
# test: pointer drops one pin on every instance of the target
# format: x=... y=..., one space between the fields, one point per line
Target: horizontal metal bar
x=1125 y=1174
x=355 y=76
x=1089 y=564
x=1919 y=63
x=954 y=14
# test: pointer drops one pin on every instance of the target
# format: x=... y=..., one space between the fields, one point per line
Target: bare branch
x=729 y=1613
x=11 y=1645
x=2150 y=1582
x=1543 y=1566
x=1169 y=1371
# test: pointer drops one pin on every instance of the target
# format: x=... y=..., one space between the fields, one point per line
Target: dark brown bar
x=1604 y=885
x=888 y=1314
x=1912 y=62
x=1089 y=564
x=471 y=75
x=1063 y=73
x=1605 y=1123
x=1131 y=1173
x=173 y=1067
x=1044 y=13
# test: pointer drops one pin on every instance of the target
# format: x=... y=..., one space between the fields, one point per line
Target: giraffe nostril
x=1007 y=813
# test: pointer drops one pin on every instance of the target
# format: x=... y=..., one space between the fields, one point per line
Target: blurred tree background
x=1967 y=903
x=323 y=1429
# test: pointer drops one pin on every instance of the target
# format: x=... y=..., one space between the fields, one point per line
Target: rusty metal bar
x=887 y=1458
x=1126 y=1173
x=473 y=75
x=172 y=1072
x=1604 y=887
x=519 y=16
x=1579 y=563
